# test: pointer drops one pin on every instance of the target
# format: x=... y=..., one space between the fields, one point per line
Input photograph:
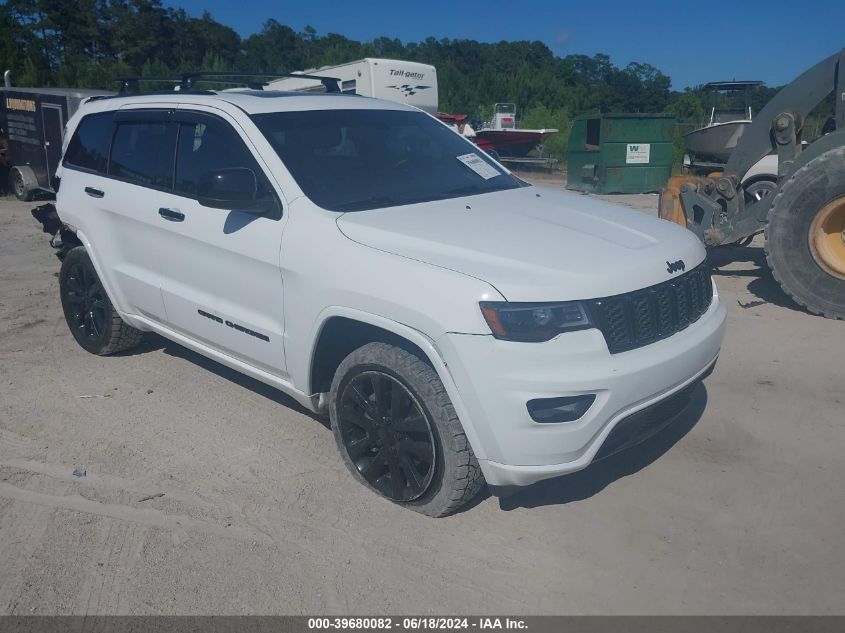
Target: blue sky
x=753 y=39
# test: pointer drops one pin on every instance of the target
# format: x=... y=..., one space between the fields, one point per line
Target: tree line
x=87 y=43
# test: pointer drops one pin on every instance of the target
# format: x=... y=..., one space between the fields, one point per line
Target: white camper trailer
x=391 y=79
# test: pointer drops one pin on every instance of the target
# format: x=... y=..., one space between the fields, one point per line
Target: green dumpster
x=620 y=153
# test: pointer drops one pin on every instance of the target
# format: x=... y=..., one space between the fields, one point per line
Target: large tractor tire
x=805 y=235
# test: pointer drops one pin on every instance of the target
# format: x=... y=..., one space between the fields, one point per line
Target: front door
x=221 y=278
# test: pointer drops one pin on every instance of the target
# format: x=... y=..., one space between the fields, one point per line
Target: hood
x=532 y=243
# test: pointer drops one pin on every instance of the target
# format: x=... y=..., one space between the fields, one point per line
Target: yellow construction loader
x=803 y=217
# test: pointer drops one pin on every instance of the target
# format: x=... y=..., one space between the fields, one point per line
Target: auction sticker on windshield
x=479 y=166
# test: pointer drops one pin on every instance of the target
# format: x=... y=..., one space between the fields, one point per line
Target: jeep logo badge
x=673 y=267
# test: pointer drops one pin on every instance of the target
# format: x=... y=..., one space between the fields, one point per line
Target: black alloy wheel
x=89 y=313
x=86 y=304
x=387 y=435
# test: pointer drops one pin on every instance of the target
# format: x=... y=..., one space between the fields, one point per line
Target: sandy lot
x=739 y=508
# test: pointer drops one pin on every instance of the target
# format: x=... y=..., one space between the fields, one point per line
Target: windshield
x=351 y=160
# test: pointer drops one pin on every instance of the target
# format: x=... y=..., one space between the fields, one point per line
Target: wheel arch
x=339 y=330
x=115 y=297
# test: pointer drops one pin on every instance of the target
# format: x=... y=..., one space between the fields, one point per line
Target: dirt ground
x=208 y=493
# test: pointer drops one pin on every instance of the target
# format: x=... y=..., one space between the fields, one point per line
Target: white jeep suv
x=457 y=324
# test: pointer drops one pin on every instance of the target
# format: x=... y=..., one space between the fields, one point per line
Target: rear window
x=142 y=152
x=89 y=146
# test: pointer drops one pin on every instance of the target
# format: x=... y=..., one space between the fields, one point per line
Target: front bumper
x=495 y=379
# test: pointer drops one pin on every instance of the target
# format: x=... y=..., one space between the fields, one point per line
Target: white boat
x=717 y=139
x=502 y=136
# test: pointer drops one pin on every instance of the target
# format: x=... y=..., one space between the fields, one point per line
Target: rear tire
x=89 y=313
x=792 y=230
x=384 y=400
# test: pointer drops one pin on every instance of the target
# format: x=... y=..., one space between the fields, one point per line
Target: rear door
x=116 y=168
x=221 y=277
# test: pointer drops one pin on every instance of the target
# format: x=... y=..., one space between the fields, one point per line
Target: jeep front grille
x=638 y=318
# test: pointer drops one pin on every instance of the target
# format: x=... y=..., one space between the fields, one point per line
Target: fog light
x=567 y=409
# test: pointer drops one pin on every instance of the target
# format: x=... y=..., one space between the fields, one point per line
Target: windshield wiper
x=383 y=201
x=473 y=190
x=465 y=189
x=358 y=205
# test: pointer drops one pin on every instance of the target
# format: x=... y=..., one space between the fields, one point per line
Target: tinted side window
x=89 y=146
x=142 y=152
x=209 y=146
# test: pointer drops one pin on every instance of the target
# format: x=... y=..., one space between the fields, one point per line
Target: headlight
x=534 y=322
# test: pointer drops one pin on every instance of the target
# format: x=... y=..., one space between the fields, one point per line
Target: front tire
x=90 y=316
x=398 y=433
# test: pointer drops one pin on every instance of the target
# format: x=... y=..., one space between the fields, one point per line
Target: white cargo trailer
x=391 y=79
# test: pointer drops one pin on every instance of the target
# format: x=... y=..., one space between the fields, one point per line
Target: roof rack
x=186 y=81
x=131 y=85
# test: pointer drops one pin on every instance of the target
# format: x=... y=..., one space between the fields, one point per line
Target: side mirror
x=232 y=188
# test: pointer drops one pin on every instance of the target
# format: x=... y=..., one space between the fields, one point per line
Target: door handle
x=171 y=214
x=94 y=193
